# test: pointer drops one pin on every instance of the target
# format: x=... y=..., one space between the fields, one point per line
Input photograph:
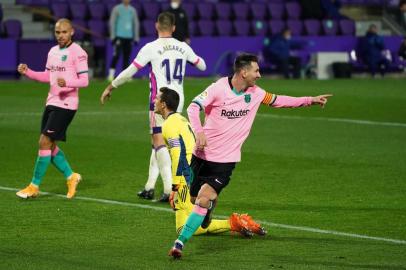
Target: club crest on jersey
x=64 y=57
x=247 y=98
x=202 y=96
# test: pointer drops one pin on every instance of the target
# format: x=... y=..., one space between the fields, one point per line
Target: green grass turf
x=305 y=171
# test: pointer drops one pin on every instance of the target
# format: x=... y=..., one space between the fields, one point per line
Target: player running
x=230 y=107
x=167 y=57
x=179 y=138
x=66 y=71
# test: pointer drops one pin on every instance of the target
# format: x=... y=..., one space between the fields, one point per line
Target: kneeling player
x=241 y=223
x=180 y=140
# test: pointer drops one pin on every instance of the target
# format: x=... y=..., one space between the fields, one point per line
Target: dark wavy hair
x=170 y=97
x=243 y=61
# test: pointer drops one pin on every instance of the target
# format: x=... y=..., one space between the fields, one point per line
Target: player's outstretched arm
x=281 y=101
x=201 y=64
x=123 y=77
x=37 y=76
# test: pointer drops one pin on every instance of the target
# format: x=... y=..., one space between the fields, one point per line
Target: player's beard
x=252 y=82
x=156 y=109
x=63 y=42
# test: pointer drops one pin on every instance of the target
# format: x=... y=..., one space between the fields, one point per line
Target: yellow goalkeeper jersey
x=179 y=138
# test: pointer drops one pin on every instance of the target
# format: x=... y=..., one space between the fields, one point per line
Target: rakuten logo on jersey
x=57 y=68
x=234 y=114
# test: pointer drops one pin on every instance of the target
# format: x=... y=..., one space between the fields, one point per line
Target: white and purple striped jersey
x=167 y=58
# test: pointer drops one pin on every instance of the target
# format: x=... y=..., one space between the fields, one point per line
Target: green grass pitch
x=338 y=169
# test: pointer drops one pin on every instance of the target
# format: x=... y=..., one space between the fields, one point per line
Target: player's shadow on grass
x=224 y=242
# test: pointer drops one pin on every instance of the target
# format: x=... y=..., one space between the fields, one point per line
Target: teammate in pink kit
x=230 y=106
x=66 y=71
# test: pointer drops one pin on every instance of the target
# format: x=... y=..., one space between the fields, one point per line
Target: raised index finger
x=327 y=95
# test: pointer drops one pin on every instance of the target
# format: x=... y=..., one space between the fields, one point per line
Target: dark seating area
x=210 y=21
x=1 y=13
x=208 y=18
x=12 y=29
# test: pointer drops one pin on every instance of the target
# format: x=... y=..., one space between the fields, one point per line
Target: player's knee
x=203 y=202
x=45 y=142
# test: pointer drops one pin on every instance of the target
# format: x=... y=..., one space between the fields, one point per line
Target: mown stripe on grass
x=272 y=224
x=264 y=115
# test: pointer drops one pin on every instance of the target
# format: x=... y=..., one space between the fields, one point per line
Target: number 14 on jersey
x=176 y=74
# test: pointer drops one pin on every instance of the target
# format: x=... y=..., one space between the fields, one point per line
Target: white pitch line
x=316 y=230
x=98 y=200
x=265 y=115
x=332 y=119
x=285 y=226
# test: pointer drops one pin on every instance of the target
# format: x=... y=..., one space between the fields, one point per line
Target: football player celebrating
x=230 y=107
x=66 y=71
x=179 y=138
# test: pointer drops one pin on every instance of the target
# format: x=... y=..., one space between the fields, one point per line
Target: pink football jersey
x=67 y=63
x=229 y=118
